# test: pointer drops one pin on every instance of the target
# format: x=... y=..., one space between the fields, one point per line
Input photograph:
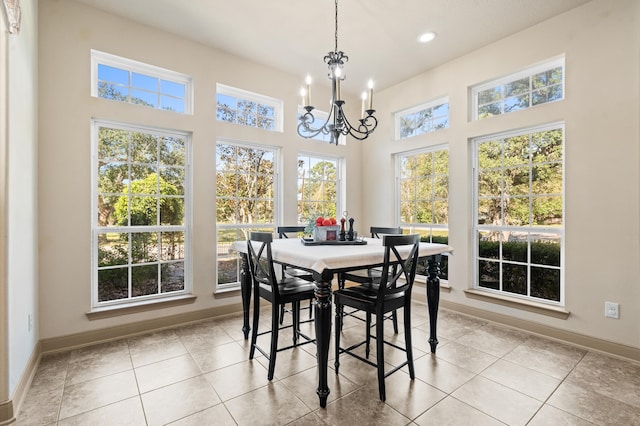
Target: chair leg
x=254 y=331
x=380 y=355
x=367 y=349
x=338 y=326
x=407 y=340
x=281 y=314
x=394 y=318
x=274 y=340
x=295 y=307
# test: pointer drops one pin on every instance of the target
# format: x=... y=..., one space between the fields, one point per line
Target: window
x=248 y=109
x=422 y=119
x=423 y=195
x=518 y=220
x=533 y=86
x=246 y=200
x=129 y=81
x=318 y=187
x=140 y=210
x=319 y=118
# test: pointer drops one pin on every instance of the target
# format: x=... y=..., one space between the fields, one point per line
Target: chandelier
x=336 y=123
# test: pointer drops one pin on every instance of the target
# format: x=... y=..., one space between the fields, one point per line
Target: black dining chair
x=393 y=292
x=370 y=276
x=266 y=285
x=283 y=232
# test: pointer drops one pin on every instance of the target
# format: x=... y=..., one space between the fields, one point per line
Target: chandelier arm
x=365 y=126
x=308 y=132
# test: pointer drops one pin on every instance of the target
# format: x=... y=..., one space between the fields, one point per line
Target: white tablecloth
x=335 y=257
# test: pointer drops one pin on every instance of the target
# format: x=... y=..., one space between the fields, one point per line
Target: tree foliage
x=424 y=188
x=244 y=185
x=520 y=180
x=317 y=189
x=143 y=209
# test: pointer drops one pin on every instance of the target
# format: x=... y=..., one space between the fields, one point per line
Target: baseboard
x=6 y=412
x=71 y=341
x=9 y=409
x=576 y=339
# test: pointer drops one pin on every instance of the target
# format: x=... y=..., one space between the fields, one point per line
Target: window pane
x=144 y=98
x=517 y=87
x=176 y=90
x=515 y=246
x=545 y=283
x=490 y=183
x=113 y=249
x=545 y=249
x=490 y=211
x=172 y=245
x=113 y=144
x=144 y=211
x=113 y=75
x=142 y=86
x=489 y=274
x=172 y=277
x=489 y=245
x=514 y=278
x=547 y=211
x=171 y=211
x=516 y=211
x=113 y=284
x=144 y=280
x=489 y=95
x=172 y=104
x=144 y=247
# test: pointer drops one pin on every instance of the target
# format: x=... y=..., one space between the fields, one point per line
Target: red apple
x=333 y=220
x=326 y=222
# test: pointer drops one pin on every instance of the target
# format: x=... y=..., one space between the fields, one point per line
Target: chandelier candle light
x=337 y=123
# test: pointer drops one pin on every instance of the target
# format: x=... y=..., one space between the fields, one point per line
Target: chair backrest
x=376 y=231
x=260 y=259
x=401 y=256
x=283 y=230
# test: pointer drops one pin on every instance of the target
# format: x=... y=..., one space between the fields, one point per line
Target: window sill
x=513 y=302
x=148 y=305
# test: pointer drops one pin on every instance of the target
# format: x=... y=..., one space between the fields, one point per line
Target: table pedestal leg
x=323 y=331
x=433 y=298
x=245 y=289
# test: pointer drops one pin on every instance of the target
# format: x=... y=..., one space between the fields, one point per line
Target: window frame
x=477 y=228
x=276 y=104
x=133 y=66
x=420 y=227
x=96 y=305
x=397 y=116
x=340 y=163
x=245 y=227
x=502 y=81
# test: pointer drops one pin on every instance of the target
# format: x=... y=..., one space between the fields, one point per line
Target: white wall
x=22 y=205
x=602 y=181
x=67 y=33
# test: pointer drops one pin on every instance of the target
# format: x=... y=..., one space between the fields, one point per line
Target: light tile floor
x=199 y=374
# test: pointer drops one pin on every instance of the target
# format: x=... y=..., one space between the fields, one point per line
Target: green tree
x=317 y=190
x=143 y=209
x=244 y=185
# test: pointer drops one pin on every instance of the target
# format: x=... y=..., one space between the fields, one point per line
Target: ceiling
x=379 y=36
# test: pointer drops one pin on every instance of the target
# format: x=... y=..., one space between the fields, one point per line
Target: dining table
x=326 y=260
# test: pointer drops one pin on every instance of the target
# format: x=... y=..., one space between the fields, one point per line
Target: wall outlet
x=30 y=319
x=611 y=310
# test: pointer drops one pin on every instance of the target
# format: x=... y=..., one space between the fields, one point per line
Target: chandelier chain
x=336 y=35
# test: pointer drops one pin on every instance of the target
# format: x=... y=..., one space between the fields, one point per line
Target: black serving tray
x=310 y=242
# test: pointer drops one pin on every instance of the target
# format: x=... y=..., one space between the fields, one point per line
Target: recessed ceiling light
x=426 y=37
